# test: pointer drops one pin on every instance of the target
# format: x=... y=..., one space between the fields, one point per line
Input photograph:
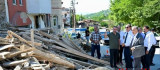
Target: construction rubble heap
x=41 y=49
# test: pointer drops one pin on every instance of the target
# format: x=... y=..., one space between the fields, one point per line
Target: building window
x=14 y=2
x=55 y=20
x=20 y=2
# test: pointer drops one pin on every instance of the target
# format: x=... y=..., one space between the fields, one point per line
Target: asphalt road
x=156 y=60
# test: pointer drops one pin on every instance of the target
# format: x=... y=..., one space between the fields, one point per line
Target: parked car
x=73 y=36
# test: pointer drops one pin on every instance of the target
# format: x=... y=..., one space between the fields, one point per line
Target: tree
x=139 y=12
x=79 y=18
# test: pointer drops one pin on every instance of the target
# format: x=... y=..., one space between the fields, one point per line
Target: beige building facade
x=56 y=16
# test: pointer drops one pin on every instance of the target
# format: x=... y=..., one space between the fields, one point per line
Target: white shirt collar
x=148 y=32
x=130 y=31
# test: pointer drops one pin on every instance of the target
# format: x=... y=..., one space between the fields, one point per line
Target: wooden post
x=32 y=37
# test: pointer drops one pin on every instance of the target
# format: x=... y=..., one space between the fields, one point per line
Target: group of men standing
x=138 y=47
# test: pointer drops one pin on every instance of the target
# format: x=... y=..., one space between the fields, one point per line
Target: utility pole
x=74 y=13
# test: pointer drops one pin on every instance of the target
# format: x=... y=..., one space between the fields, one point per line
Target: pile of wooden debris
x=24 y=49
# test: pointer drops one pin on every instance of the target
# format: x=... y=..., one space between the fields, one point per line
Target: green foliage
x=101 y=17
x=139 y=12
x=91 y=29
x=80 y=17
x=104 y=24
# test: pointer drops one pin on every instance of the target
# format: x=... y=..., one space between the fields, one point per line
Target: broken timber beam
x=15 y=53
x=81 y=55
x=14 y=63
x=1 y=68
x=21 y=39
x=83 y=63
x=52 y=58
x=6 y=46
x=18 y=67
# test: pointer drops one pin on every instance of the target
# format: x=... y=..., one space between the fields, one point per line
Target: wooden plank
x=38 y=63
x=52 y=58
x=34 y=65
x=84 y=63
x=35 y=43
x=59 y=42
x=77 y=53
x=27 y=54
x=3 y=54
x=25 y=36
x=1 y=68
x=70 y=45
x=52 y=41
x=6 y=47
x=32 y=37
x=49 y=36
x=18 y=67
x=77 y=46
x=21 y=39
x=26 y=64
x=16 y=53
x=14 y=63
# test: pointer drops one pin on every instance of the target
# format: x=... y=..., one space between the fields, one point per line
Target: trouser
x=137 y=63
x=113 y=57
x=152 y=54
x=128 y=59
x=95 y=47
x=146 y=60
x=87 y=37
x=119 y=59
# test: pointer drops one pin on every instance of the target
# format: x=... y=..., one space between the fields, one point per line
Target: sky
x=88 y=6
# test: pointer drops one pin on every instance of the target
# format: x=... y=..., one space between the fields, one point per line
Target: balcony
x=38 y=6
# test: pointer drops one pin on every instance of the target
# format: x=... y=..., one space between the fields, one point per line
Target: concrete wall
x=39 y=6
x=4 y=17
x=2 y=12
x=57 y=11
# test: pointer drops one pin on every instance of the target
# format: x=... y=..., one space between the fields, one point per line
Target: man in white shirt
x=148 y=43
x=126 y=44
x=153 y=48
x=121 y=48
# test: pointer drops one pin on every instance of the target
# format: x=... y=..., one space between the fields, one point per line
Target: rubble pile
x=25 y=49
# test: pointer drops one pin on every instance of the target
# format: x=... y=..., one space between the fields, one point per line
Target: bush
x=104 y=24
x=91 y=29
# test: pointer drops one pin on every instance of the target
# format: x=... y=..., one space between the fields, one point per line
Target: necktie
x=126 y=38
x=132 y=41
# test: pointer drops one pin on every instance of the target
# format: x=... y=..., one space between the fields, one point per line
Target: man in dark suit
x=137 y=47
